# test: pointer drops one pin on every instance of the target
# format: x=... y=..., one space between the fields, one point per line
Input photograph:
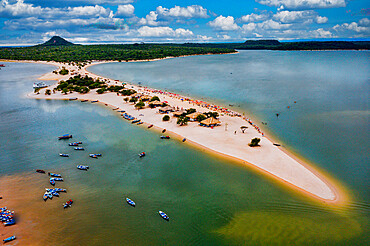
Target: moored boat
x=68 y=203
x=94 y=155
x=55 y=175
x=139 y=123
x=9 y=239
x=142 y=154
x=40 y=171
x=184 y=139
x=131 y=202
x=60 y=190
x=58 y=179
x=79 y=148
x=163 y=215
x=72 y=98
x=39 y=85
x=82 y=167
x=52 y=181
x=150 y=126
x=63 y=155
x=74 y=144
x=165 y=137
x=135 y=121
x=45 y=196
x=94 y=101
x=65 y=136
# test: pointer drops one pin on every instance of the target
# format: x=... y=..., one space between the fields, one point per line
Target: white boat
x=39 y=85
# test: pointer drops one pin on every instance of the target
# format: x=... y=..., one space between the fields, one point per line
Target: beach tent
x=193 y=116
x=210 y=122
x=178 y=113
x=166 y=109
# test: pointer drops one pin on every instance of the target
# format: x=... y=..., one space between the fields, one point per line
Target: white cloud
x=254 y=17
x=163 y=31
x=321 y=19
x=224 y=23
x=351 y=27
x=271 y=24
x=18 y=9
x=321 y=33
x=364 y=22
x=87 y=11
x=304 y=4
x=249 y=27
x=149 y=20
x=125 y=10
x=193 y=11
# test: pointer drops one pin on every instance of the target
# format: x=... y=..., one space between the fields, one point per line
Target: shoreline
x=325 y=188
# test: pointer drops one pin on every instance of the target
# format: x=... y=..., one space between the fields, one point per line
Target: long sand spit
x=276 y=162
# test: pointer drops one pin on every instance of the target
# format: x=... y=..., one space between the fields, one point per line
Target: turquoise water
x=209 y=201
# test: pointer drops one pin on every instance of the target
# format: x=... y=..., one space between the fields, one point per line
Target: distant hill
x=56 y=41
x=267 y=42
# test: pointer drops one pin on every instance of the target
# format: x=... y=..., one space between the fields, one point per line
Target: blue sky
x=125 y=21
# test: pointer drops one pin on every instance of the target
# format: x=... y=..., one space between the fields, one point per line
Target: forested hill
x=56 y=41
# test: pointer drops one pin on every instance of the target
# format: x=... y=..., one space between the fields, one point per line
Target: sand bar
x=274 y=161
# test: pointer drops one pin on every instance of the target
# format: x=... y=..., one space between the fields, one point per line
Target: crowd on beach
x=203 y=104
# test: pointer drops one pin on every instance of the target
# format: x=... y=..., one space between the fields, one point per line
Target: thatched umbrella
x=210 y=122
x=243 y=128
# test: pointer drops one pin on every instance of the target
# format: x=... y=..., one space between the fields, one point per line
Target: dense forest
x=60 y=50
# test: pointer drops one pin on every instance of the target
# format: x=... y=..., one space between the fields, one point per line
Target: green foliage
x=166 y=117
x=126 y=99
x=81 y=84
x=164 y=105
x=100 y=90
x=65 y=90
x=133 y=99
x=201 y=117
x=190 y=110
x=64 y=71
x=254 y=142
x=140 y=105
x=182 y=120
x=115 y=88
x=211 y=114
x=48 y=92
x=151 y=105
x=81 y=54
x=155 y=98
x=127 y=92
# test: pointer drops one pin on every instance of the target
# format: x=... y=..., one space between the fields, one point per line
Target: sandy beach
x=226 y=140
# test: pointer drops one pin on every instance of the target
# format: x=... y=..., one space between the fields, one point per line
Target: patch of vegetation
x=182 y=120
x=80 y=84
x=140 y=105
x=254 y=142
x=64 y=71
x=166 y=118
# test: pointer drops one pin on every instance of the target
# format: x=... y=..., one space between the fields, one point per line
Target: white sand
x=269 y=159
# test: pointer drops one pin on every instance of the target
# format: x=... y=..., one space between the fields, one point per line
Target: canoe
x=9 y=239
x=139 y=123
x=131 y=202
x=55 y=175
x=184 y=140
x=150 y=126
x=165 y=137
x=45 y=196
x=164 y=130
x=94 y=155
x=142 y=154
x=52 y=181
x=60 y=190
x=58 y=179
x=40 y=171
x=9 y=223
x=64 y=155
x=79 y=148
x=163 y=215
x=68 y=203
x=82 y=167
x=66 y=136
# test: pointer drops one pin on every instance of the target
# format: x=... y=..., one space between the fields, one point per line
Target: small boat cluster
x=7 y=216
x=127 y=116
x=161 y=213
x=50 y=193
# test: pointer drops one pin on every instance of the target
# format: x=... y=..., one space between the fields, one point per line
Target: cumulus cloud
x=18 y=9
x=255 y=17
x=193 y=11
x=363 y=26
x=303 y=4
x=163 y=31
x=224 y=23
x=299 y=16
x=125 y=10
x=149 y=20
x=321 y=33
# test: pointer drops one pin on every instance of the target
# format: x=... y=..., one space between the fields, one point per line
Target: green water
x=209 y=201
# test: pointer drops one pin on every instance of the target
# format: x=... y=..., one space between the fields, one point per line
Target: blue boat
x=82 y=167
x=94 y=155
x=9 y=222
x=142 y=154
x=52 y=181
x=165 y=137
x=65 y=136
x=131 y=202
x=94 y=101
x=50 y=196
x=60 y=190
x=64 y=155
x=55 y=175
x=74 y=143
x=79 y=148
x=45 y=196
x=184 y=140
x=135 y=121
x=163 y=215
x=139 y=123
x=58 y=179
x=9 y=239
x=68 y=203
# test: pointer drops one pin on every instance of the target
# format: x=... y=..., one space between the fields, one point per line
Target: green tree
x=151 y=105
x=48 y=92
x=166 y=118
x=133 y=99
x=254 y=142
x=190 y=110
x=126 y=99
x=100 y=91
x=140 y=105
x=65 y=90
x=182 y=120
x=155 y=98
x=201 y=117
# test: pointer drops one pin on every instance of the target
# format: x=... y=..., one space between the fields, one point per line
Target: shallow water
x=209 y=201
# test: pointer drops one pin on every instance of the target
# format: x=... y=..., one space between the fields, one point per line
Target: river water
x=210 y=201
